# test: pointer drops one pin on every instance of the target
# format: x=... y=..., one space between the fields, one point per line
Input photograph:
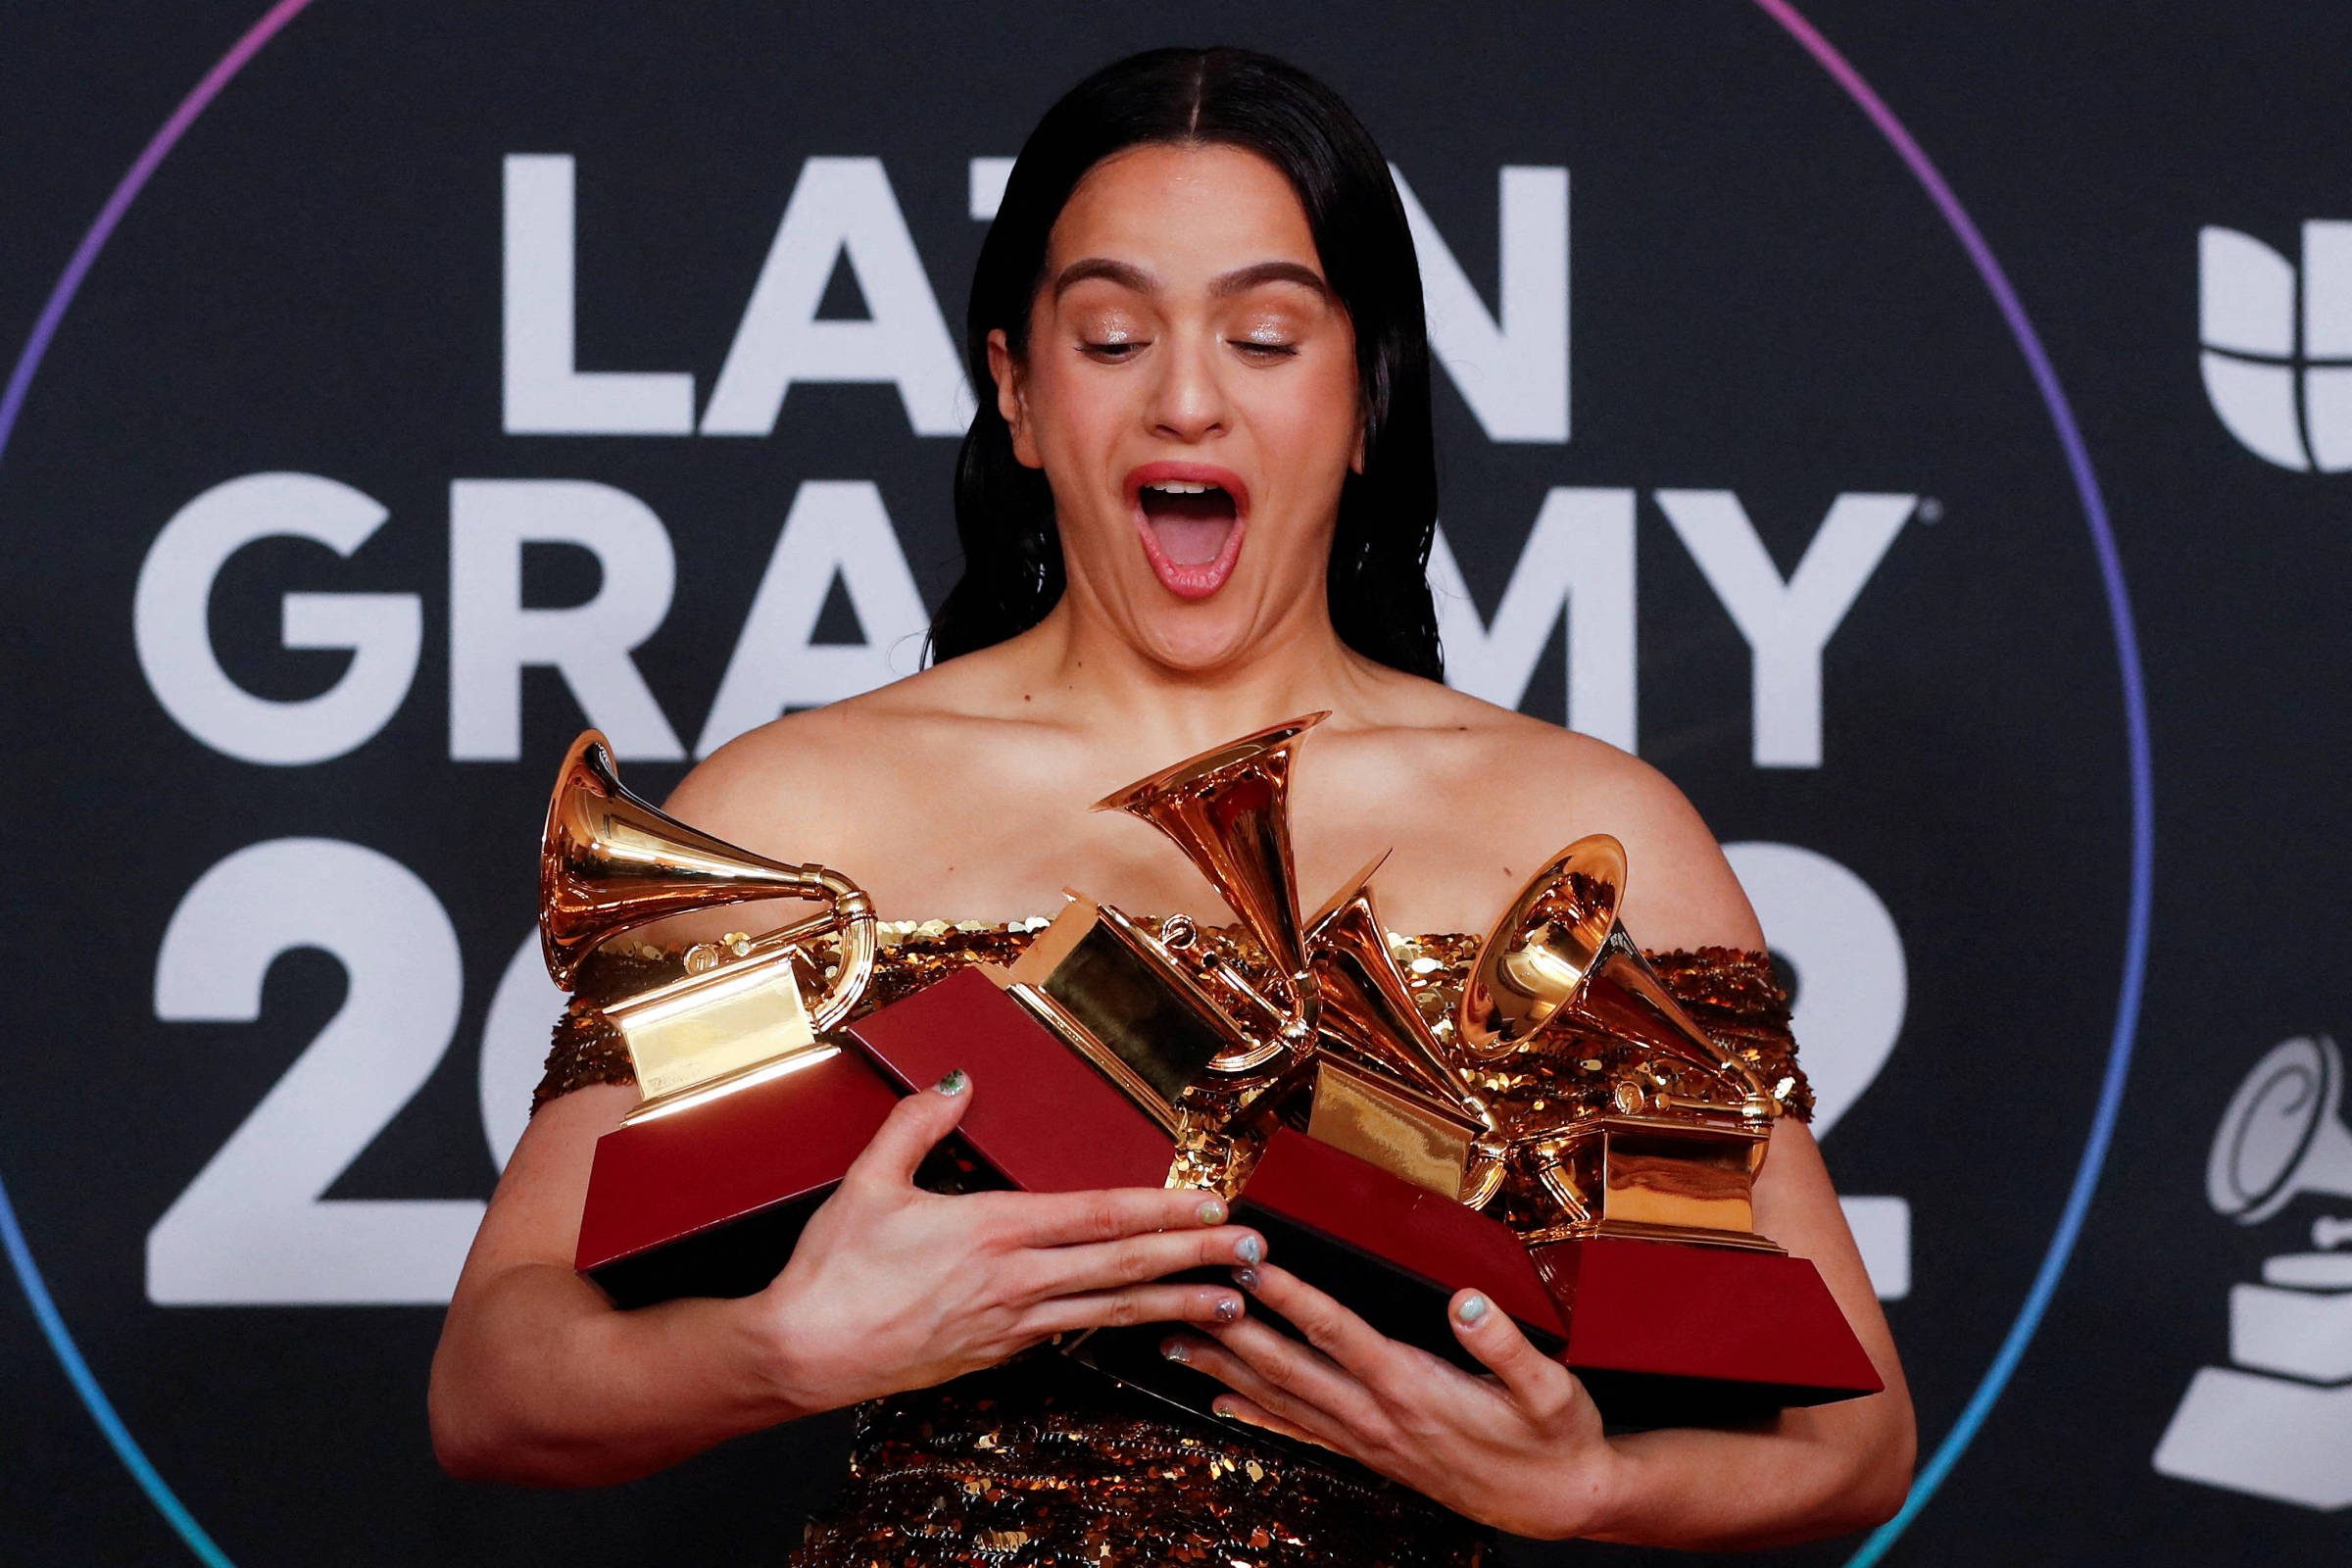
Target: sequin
x=1040 y=1462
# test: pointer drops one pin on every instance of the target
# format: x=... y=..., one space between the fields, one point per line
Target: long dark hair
x=1378 y=578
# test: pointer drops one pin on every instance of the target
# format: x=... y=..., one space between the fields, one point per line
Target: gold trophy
x=1651 y=1161
x=1158 y=1010
x=610 y=862
x=1385 y=1089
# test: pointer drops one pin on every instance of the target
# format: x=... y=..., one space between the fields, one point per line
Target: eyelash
x=1113 y=353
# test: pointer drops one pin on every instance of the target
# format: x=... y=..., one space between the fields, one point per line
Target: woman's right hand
x=894 y=1288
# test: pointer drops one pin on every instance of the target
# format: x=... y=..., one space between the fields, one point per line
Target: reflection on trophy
x=1156 y=1010
x=2278 y=1423
x=611 y=863
x=1653 y=1159
x=1385 y=1089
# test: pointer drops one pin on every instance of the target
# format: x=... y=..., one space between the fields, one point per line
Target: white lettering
x=841 y=206
x=492 y=637
x=1852 y=988
x=1786 y=625
x=383 y=631
x=545 y=394
x=522 y=1015
x=1510 y=366
x=253 y=1228
x=1579 y=560
x=837 y=528
x=989 y=176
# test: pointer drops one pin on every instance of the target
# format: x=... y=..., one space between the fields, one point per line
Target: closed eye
x=1111 y=353
x=1253 y=349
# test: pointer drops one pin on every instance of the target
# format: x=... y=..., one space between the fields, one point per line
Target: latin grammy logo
x=2278 y=1423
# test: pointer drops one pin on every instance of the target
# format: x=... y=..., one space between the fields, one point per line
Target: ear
x=1013 y=399
x=1355 y=463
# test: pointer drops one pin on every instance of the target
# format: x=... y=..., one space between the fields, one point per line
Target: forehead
x=1185 y=213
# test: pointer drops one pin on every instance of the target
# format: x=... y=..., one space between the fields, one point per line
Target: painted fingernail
x=1211 y=1212
x=1175 y=1351
x=954 y=1084
x=1472 y=1310
x=1223 y=1411
x=1250 y=1249
x=1229 y=1307
x=1246 y=1278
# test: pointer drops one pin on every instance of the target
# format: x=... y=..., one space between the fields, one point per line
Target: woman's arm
x=540 y=1380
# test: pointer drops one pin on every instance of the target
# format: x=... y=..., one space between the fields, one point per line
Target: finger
x=1538 y=1383
x=1294 y=1381
x=1233 y=1407
x=1136 y=1304
x=1295 y=1409
x=1104 y=1265
x=914 y=1124
x=1063 y=1219
x=1366 y=1352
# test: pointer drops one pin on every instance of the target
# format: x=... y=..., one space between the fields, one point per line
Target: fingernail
x=1175 y=1351
x=1473 y=1309
x=1223 y=1411
x=1246 y=1278
x=1211 y=1212
x=1250 y=1249
x=1229 y=1307
x=954 y=1084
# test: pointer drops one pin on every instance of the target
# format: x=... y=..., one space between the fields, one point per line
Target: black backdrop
x=1727 y=386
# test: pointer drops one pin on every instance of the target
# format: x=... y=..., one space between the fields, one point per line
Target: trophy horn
x=2283 y=1133
x=1561 y=949
x=610 y=860
x=1366 y=1003
x=1228 y=809
x=1367 y=1006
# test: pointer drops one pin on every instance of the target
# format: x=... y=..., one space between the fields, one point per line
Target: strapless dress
x=1044 y=1464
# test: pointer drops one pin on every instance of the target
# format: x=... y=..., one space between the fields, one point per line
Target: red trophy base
x=710 y=1201
x=1669 y=1334
x=1392 y=1252
x=1660 y=1333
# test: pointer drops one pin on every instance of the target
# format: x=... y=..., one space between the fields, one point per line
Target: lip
x=1190 y=581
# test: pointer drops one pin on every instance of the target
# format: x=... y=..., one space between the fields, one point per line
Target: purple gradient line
x=2068 y=1229
x=19 y=379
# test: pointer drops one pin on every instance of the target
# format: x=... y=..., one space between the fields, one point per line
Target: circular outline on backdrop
x=2020 y=1332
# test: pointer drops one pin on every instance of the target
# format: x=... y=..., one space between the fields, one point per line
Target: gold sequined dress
x=1044 y=1464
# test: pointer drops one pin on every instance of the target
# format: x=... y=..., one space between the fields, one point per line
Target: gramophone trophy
x=1637 y=1187
x=758 y=1088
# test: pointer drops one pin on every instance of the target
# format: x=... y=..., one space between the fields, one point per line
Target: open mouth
x=1191 y=526
x=1190 y=519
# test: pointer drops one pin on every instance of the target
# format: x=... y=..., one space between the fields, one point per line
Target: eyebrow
x=1239 y=282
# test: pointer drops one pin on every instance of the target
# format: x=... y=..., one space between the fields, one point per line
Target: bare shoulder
x=811 y=783
x=1542 y=787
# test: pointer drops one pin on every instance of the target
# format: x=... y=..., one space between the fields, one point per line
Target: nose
x=1187 y=400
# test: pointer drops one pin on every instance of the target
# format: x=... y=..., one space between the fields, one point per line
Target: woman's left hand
x=1521 y=1449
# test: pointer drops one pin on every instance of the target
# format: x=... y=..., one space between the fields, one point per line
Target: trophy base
x=711 y=1198
x=710 y=1201
x=1660 y=1333
x=1672 y=1334
x=1392 y=1251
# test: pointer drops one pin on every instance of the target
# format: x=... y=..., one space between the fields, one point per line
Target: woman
x=1197 y=500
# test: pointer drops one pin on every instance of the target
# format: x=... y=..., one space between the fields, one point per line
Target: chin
x=1196 y=640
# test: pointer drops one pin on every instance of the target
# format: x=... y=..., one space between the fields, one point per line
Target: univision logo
x=2277 y=360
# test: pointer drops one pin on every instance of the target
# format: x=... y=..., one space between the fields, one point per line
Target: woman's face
x=1190 y=389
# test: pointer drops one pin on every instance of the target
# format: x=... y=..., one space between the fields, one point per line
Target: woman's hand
x=1521 y=1449
x=894 y=1288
